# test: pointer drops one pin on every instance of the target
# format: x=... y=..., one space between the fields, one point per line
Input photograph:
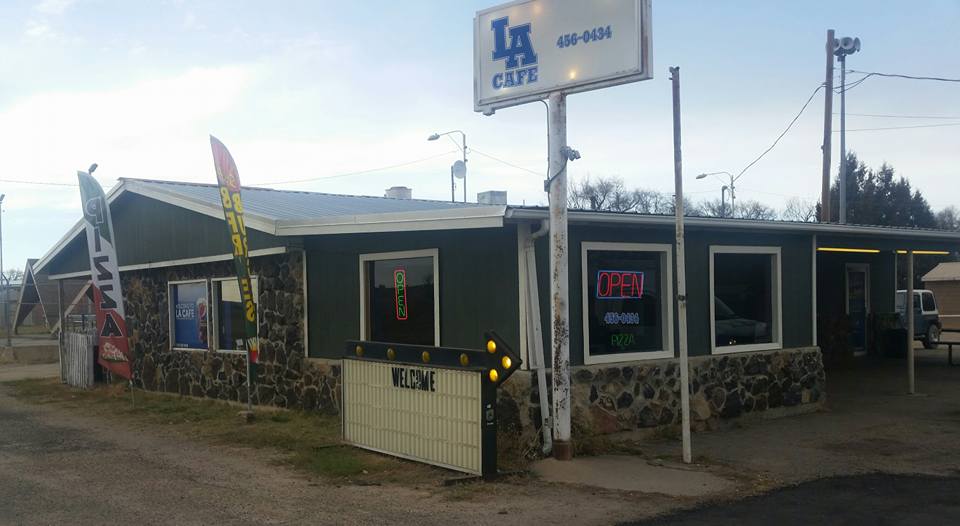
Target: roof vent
x=398 y=192
x=492 y=197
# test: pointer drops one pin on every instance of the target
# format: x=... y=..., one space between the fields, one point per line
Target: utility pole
x=559 y=285
x=681 y=271
x=827 y=132
x=911 y=374
x=843 y=139
x=5 y=280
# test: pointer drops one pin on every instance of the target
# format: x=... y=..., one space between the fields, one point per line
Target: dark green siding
x=148 y=230
x=796 y=256
x=478 y=284
x=831 y=282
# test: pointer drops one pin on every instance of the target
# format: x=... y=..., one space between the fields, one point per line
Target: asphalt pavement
x=876 y=499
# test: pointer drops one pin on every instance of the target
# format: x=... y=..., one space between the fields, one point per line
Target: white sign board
x=527 y=49
x=428 y=414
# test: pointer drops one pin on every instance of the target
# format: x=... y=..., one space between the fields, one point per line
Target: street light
x=841 y=48
x=459 y=168
x=733 y=194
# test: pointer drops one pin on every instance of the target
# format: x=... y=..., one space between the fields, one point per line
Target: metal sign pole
x=681 y=271
x=559 y=286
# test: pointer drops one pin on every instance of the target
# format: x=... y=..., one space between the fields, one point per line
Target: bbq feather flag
x=228 y=181
x=114 y=352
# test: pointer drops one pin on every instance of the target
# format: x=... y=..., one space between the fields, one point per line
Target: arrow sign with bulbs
x=432 y=404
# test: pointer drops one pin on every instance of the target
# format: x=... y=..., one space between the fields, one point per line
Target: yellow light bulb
x=425 y=356
x=391 y=354
x=359 y=350
x=491 y=346
x=464 y=359
x=507 y=362
x=494 y=375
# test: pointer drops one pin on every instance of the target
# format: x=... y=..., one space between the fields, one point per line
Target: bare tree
x=714 y=208
x=754 y=210
x=948 y=218
x=604 y=193
x=800 y=210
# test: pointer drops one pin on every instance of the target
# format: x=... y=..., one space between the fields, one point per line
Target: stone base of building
x=645 y=395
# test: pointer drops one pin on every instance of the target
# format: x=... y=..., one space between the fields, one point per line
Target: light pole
x=841 y=48
x=723 y=201
x=456 y=171
x=733 y=192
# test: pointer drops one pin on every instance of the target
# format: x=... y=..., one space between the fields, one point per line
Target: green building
x=764 y=297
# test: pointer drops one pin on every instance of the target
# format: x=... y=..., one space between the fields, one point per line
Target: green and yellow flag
x=228 y=181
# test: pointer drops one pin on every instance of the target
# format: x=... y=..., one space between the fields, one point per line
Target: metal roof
x=295 y=205
x=944 y=272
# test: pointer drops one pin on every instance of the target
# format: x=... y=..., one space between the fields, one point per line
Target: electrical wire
x=900 y=76
x=903 y=127
x=474 y=150
x=787 y=129
x=891 y=116
x=358 y=172
x=11 y=181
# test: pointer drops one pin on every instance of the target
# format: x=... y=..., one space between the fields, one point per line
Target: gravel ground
x=59 y=468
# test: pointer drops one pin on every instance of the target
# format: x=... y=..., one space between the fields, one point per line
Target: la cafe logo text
x=513 y=46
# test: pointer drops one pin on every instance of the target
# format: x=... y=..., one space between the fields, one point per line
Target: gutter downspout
x=535 y=333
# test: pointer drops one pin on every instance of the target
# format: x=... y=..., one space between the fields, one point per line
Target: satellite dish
x=459 y=169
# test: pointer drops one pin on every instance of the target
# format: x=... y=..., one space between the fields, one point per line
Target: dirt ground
x=869 y=424
x=57 y=466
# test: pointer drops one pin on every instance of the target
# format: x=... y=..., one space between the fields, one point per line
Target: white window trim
x=170 y=315
x=403 y=254
x=215 y=314
x=666 y=291
x=777 y=300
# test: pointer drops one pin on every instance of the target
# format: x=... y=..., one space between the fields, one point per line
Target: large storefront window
x=745 y=309
x=229 y=312
x=400 y=297
x=628 y=314
x=188 y=315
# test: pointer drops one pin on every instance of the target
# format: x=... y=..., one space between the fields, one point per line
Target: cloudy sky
x=312 y=89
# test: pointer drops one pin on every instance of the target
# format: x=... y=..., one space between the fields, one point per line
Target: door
x=858 y=304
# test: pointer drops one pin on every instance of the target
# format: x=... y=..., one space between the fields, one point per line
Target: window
x=929 y=305
x=189 y=327
x=229 y=314
x=745 y=298
x=627 y=302
x=399 y=297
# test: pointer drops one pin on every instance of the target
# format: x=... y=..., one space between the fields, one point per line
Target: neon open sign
x=400 y=288
x=619 y=284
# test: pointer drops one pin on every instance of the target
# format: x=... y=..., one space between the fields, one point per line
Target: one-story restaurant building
x=763 y=298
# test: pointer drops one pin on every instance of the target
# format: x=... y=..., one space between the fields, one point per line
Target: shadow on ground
x=861 y=499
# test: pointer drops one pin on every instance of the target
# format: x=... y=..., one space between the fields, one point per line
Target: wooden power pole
x=827 y=131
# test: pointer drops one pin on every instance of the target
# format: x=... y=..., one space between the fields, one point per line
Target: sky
x=312 y=89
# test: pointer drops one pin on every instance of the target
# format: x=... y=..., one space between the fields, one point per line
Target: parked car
x=926 y=316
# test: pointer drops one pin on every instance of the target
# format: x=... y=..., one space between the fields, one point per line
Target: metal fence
x=76 y=359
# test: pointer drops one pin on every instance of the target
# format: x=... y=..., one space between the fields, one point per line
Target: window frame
x=172 y=319
x=215 y=320
x=666 y=262
x=402 y=254
x=776 y=288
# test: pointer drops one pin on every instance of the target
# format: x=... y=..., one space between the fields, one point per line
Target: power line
x=792 y=122
x=904 y=127
x=890 y=116
x=358 y=172
x=11 y=181
x=474 y=150
x=900 y=76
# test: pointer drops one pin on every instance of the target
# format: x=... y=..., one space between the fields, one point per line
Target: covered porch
x=857 y=279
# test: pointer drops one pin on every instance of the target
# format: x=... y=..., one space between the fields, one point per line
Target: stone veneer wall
x=646 y=395
x=285 y=377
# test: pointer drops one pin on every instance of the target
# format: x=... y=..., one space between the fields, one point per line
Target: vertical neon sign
x=400 y=293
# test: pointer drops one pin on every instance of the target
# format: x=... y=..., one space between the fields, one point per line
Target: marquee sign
x=431 y=404
x=526 y=49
